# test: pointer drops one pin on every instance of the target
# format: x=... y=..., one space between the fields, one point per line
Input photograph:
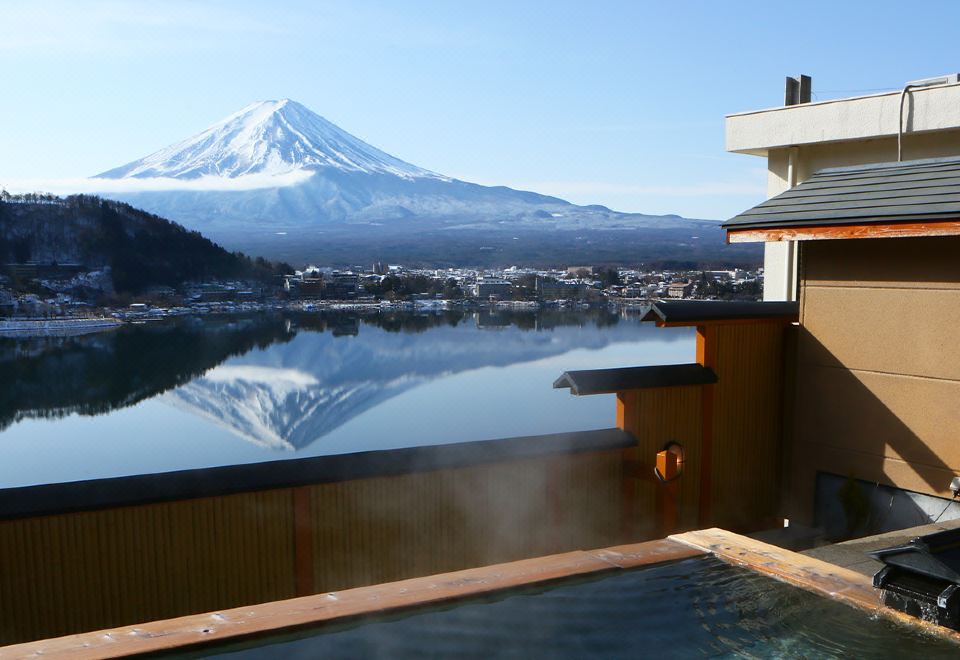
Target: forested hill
x=142 y=250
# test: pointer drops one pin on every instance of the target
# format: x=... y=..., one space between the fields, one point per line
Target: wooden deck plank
x=279 y=616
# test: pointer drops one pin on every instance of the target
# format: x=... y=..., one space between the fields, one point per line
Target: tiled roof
x=920 y=190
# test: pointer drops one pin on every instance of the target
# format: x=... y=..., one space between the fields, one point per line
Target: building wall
x=814 y=157
x=780 y=258
x=843 y=120
x=878 y=376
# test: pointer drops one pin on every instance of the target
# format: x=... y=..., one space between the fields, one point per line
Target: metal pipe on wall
x=793 y=282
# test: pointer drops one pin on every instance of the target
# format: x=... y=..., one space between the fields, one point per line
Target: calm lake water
x=201 y=392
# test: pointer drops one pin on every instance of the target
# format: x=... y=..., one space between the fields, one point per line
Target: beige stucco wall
x=811 y=158
x=878 y=370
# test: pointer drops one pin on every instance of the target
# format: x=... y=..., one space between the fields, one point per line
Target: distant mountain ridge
x=141 y=250
x=337 y=199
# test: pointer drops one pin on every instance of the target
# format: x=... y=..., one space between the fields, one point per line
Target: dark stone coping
x=606 y=381
x=693 y=311
x=48 y=499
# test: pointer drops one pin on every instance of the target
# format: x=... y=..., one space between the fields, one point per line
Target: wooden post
x=303 y=541
x=707 y=356
x=667 y=507
x=629 y=510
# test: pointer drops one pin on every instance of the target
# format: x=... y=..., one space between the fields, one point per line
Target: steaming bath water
x=694 y=608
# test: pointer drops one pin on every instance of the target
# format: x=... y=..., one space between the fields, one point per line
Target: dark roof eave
x=911 y=191
x=694 y=312
x=609 y=381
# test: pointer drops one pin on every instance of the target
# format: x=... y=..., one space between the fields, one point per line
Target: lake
x=210 y=391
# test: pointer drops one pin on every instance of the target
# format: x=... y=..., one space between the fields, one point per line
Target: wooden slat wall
x=656 y=417
x=747 y=425
x=75 y=572
x=85 y=571
x=385 y=529
x=745 y=417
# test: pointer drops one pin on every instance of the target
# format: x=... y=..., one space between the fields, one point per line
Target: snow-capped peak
x=271 y=138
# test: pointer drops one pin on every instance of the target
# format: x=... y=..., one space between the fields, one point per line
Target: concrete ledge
x=859 y=118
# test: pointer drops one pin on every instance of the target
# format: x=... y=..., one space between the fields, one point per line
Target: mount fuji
x=272 y=138
x=278 y=180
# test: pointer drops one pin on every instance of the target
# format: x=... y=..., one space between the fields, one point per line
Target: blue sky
x=618 y=103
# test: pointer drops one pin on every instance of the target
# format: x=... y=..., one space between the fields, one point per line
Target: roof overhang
x=680 y=313
x=885 y=200
x=609 y=381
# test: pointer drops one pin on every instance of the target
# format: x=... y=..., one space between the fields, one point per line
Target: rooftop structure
x=911 y=198
x=920 y=122
x=872 y=395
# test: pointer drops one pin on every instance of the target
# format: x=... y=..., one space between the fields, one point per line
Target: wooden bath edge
x=238 y=624
x=815 y=575
x=233 y=625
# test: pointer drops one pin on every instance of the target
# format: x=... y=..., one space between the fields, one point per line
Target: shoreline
x=60 y=326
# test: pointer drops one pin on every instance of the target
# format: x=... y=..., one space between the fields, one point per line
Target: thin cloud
x=155 y=184
x=43 y=27
x=604 y=188
x=101 y=26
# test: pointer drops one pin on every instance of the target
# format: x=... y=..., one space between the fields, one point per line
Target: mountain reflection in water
x=288 y=382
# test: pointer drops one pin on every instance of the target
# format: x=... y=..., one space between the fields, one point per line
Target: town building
x=487 y=288
x=552 y=289
x=681 y=289
x=215 y=293
x=310 y=287
x=341 y=286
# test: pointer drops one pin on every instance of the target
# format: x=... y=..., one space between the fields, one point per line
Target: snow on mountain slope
x=272 y=138
x=345 y=179
x=278 y=169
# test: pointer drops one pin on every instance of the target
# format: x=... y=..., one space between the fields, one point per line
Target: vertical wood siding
x=656 y=417
x=746 y=428
x=68 y=573
x=747 y=425
x=76 y=572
